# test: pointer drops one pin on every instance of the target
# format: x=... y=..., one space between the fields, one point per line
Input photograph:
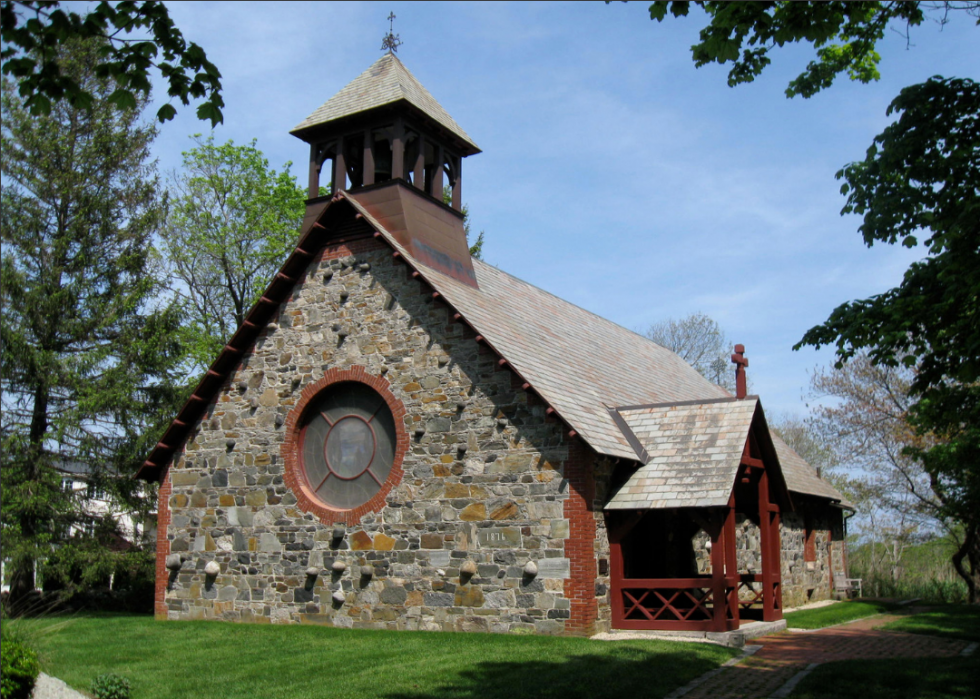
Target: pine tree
x=87 y=348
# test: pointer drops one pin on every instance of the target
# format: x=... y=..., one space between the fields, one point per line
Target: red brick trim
x=580 y=545
x=163 y=547
x=293 y=475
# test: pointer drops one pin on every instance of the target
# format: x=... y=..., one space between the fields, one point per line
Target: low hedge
x=18 y=670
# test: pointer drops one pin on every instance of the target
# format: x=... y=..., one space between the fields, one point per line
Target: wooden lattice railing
x=675 y=604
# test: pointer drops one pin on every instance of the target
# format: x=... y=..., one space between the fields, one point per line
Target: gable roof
x=694 y=451
x=579 y=363
x=386 y=82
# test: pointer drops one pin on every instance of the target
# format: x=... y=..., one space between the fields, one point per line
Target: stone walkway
x=773 y=669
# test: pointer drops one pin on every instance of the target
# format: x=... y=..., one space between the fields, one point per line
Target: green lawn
x=834 y=614
x=951 y=621
x=208 y=660
x=922 y=678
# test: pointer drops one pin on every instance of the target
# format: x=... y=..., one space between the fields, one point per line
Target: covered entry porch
x=680 y=560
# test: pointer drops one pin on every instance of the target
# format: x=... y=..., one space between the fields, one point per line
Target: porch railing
x=676 y=604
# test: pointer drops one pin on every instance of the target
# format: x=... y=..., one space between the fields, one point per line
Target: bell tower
x=386 y=142
x=385 y=126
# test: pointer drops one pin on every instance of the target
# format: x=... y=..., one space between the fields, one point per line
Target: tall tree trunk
x=969 y=550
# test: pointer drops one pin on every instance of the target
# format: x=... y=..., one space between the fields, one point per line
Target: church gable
x=479 y=482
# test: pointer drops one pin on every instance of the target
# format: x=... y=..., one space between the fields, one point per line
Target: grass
x=834 y=614
x=923 y=678
x=208 y=660
x=949 y=621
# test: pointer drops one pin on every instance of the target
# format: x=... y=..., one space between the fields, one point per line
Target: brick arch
x=295 y=478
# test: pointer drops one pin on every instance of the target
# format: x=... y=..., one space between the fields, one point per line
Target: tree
x=232 y=221
x=867 y=426
x=33 y=31
x=87 y=350
x=918 y=179
x=699 y=341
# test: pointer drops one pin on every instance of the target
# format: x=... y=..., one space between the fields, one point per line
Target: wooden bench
x=846 y=586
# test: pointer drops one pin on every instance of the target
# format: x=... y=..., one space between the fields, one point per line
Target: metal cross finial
x=391 y=42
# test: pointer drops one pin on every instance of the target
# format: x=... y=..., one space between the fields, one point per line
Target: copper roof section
x=386 y=82
x=430 y=231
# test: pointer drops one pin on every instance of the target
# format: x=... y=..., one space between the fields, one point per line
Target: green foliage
x=88 y=353
x=110 y=686
x=834 y=614
x=231 y=225
x=219 y=660
x=33 y=31
x=844 y=33
x=18 y=669
x=919 y=178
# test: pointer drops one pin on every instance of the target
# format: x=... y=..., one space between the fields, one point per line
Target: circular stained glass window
x=347 y=445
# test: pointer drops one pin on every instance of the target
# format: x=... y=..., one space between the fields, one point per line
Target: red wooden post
x=731 y=558
x=741 y=364
x=368 y=177
x=777 y=576
x=398 y=150
x=418 y=178
x=765 y=544
x=458 y=185
x=718 y=596
x=339 y=169
x=616 y=579
x=437 y=173
x=314 y=190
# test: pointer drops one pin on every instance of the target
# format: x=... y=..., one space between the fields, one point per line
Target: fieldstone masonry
x=482 y=480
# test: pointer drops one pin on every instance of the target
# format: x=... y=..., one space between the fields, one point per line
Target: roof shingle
x=387 y=81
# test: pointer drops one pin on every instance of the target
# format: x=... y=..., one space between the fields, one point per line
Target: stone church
x=400 y=436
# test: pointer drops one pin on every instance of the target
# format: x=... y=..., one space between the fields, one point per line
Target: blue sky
x=613 y=174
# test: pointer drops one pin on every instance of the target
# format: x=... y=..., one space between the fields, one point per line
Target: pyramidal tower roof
x=387 y=81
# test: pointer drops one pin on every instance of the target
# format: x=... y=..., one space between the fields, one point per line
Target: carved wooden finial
x=391 y=42
x=741 y=363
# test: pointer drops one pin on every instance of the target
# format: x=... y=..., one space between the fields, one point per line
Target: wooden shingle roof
x=386 y=82
x=580 y=364
x=693 y=450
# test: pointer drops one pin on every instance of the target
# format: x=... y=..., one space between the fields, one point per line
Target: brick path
x=784 y=655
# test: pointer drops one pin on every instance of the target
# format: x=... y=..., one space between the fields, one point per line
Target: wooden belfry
x=385 y=126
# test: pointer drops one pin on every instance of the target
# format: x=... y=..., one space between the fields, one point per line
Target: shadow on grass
x=923 y=678
x=949 y=621
x=624 y=672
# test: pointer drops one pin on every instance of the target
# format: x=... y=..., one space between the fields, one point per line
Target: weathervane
x=391 y=42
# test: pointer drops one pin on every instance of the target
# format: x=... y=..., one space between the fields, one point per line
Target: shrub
x=110 y=686
x=18 y=669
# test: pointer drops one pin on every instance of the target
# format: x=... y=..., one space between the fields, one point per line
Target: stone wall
x=802 y=581
x=808 y=581
x=482 y=480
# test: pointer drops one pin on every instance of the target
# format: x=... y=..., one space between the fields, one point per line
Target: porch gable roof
x=693 y=453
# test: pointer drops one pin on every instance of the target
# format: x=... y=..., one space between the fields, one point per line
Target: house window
x=344 y=445
x=67 y=484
